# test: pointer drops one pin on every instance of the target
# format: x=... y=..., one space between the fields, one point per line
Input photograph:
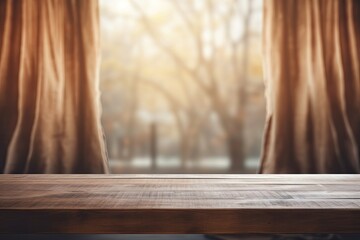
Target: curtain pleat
x=49 y=97
x=312 y=77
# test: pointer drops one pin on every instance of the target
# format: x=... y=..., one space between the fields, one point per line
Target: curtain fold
x=49 y=97
x=312 y=78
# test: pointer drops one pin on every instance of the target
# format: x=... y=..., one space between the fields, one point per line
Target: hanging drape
x=49 y=99
x=312 y=75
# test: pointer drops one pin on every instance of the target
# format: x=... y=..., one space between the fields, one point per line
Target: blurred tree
x=206 y=73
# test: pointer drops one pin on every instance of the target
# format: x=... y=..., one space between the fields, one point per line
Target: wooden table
x=179 y=204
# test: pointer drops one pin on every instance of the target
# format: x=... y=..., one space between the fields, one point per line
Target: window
x=182 y=87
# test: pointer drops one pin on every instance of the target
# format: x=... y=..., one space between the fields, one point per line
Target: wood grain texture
x=179 y=203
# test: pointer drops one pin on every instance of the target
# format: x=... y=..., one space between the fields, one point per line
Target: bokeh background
x=182 y=87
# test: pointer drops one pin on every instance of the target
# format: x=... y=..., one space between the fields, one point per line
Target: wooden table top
x=179 y=203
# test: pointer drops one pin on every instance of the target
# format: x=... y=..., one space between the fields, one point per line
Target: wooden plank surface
x=179 y=203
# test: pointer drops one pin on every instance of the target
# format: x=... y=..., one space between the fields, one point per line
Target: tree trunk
x=153 y=145
x=236 y=151
x=184 y=154
x=236 y=146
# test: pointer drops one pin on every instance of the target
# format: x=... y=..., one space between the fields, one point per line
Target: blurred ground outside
x=173 y=165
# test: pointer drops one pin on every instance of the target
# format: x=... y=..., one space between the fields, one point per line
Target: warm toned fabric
x=311 y=56
x=49 y=99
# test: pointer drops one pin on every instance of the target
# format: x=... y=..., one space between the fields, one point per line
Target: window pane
x=182 y=87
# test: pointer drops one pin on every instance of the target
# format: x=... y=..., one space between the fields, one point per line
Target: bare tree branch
x=146 y=22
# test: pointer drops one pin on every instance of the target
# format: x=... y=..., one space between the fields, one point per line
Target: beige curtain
x=311 y=56
x=49 y=99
